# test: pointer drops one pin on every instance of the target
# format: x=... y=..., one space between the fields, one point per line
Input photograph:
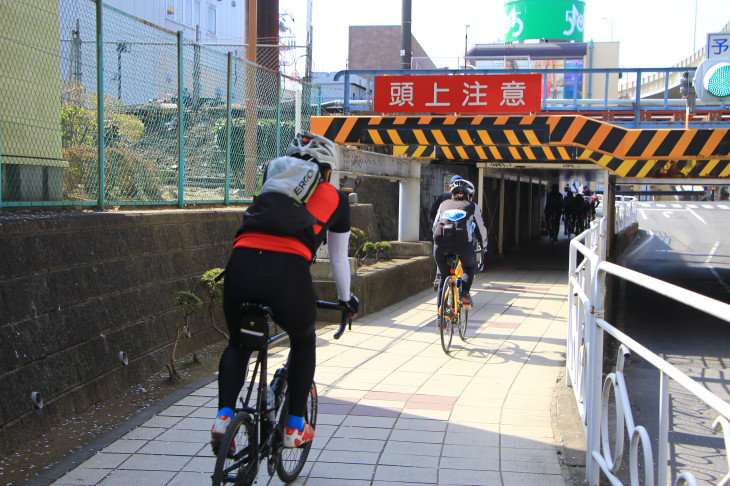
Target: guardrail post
x=594 y=372
x=571 y=358
x=227 y=195
x=663 y=439
x=180 y=121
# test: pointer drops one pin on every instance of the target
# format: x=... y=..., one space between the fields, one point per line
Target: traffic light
x=712 y=80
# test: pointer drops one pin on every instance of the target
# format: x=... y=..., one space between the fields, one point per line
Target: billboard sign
x=543 y=19
x=472 y=94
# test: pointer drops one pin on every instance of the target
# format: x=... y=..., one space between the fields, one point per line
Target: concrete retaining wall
x=76 y=289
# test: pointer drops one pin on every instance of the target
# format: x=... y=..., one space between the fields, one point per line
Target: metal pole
x=196 y=69
x=637 y=105
x=500 y=241
x=530 y=214
x=308 y=65
x=100 y=98
x=609 y=211
x=297 y=112
x=119 y=70
x=346 y=104
x=466 y=43
x=227 y=195
x=663 y=452
x=77 y=53
x=593 y=377
x=517 y=212
x=278 y=115
x=405 y=36
x=480 y=188
x=180 y=120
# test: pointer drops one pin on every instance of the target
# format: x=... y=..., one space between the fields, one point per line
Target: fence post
x=594 y=371
x=100 y=98
x=278 y=115
x=637 y=100
x=180 y=120
x=228 y=130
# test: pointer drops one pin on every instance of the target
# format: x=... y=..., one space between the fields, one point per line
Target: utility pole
x=466 y=43
x=405 y=36
x=308 y=66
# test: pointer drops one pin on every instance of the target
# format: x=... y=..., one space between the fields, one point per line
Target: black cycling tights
x=283 y=282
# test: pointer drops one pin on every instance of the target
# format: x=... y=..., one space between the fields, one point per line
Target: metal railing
x=626 y=211
x=106 y=109
x=584 y=370
x=588 y=90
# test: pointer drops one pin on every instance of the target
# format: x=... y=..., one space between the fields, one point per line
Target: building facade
x=217 y=23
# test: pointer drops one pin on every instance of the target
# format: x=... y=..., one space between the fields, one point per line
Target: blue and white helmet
x=462 y=185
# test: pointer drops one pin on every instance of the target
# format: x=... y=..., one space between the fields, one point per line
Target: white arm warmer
x=337 y=246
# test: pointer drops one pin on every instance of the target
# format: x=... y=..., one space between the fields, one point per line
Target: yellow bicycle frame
x=458 y=273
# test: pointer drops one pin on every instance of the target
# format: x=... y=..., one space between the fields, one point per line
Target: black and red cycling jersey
x=328 y=205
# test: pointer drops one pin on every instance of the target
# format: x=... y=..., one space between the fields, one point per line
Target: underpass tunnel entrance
x=514 y=159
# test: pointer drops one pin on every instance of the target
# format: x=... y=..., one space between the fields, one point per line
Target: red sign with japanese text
x=471 y=93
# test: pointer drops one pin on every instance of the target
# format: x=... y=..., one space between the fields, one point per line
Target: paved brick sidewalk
x=394 y=409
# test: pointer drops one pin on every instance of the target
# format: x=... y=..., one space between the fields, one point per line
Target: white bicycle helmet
x=462 y=185
x=309 y=146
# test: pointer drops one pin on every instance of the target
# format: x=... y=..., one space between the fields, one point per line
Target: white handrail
x=584 y=364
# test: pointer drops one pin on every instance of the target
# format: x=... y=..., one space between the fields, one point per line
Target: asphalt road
x=687 y=244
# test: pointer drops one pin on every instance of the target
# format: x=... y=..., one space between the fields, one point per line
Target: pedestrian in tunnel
x=457 y=224
x=553 y=210
x=567 y=205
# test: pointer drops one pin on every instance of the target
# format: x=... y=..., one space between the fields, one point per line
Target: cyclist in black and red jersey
x=272 y=268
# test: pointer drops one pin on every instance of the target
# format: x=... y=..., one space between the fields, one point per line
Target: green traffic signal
x=712 y=80
x=717 y=80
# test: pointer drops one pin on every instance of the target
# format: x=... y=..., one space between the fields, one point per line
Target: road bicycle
x=452 y=312
x=257 y=428
x=553 y=227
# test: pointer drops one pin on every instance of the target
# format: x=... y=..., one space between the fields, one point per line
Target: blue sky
x=653 y=33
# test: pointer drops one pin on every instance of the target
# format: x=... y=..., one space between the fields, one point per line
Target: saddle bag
x=254 y=330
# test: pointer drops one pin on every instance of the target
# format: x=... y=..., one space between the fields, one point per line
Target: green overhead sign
x=544 y=19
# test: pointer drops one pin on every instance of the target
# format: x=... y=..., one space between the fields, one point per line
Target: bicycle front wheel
x=448 y=315
x=290 y=462
x=240 y=468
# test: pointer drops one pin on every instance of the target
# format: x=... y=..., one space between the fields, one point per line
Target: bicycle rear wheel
x=463 y=321
x=448 y=315
x=291 y=461
x=242 y=467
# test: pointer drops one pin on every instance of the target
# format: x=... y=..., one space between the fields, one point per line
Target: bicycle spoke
x=291 y=461
x=240 y=468
x=463 y=320
x=447 y=315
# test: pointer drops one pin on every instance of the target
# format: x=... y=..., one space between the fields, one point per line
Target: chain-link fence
x=182 y=123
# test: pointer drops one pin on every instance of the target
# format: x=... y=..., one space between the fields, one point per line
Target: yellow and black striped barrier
x=627 y=152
